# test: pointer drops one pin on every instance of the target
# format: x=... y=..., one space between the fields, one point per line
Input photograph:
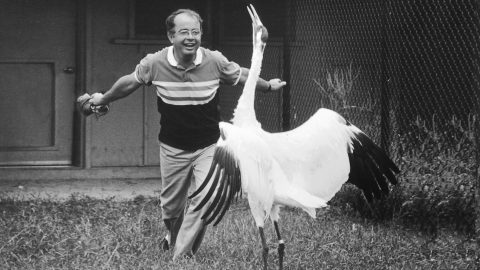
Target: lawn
x=85 y=233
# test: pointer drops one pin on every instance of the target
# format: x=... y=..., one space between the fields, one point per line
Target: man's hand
x=86 y=105
x=97 y=99
x=276 y=84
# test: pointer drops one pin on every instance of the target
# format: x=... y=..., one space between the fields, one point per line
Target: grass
x=83 y=233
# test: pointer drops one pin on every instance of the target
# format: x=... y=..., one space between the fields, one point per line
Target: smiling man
x=186 y=77
x=185 y=33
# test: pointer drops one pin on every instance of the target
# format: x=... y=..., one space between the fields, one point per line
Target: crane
x=302 y=168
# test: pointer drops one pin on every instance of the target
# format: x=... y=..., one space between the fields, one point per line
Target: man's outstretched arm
x=120 y=89
x=262 y=85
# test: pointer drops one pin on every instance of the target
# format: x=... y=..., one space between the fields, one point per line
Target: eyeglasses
x=185 y=33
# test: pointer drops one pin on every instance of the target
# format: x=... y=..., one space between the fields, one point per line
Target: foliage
x=437 y=181
x=437 y=161
x=337 y=88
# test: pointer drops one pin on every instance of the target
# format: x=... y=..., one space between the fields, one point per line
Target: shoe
x=164 y=243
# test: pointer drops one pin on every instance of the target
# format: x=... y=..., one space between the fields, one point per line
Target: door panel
x=21 y=124
x=36 y=95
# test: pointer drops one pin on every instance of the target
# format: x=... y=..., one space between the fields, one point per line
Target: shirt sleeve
x=229 y=71
x=143 y=71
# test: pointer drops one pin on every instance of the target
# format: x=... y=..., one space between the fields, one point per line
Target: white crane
x=301 y=168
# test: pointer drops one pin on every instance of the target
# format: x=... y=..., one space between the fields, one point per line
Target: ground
x=119 y=189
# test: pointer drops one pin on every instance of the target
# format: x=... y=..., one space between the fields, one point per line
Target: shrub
x=437 y=181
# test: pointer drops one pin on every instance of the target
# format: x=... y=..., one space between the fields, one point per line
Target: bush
x=437 y=181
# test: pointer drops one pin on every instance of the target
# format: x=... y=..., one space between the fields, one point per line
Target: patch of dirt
x=121 y=189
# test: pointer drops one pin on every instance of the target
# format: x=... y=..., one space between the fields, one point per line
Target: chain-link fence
x=402 y=70
x=386 y=64
x=407 y=72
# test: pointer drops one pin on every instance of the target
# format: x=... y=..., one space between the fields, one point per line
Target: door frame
x=80 y=149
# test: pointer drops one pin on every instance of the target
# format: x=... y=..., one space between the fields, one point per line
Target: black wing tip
x=212 y=169
x=225 y=185
x=370 y=168
x=231 y=190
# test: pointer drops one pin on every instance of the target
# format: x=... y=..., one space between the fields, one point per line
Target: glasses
x=185 y=33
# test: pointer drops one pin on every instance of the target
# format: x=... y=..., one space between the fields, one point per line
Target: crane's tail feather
x=225 y=207
x=204 y=184
x=237 y=186
x=370 y=167
x=379 y=156
x=217 y=203
x=210 y=191
x=225 y=177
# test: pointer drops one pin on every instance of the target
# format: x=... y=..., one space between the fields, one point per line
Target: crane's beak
x=258 y=28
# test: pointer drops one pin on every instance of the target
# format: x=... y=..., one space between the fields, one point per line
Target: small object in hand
x=87 y=107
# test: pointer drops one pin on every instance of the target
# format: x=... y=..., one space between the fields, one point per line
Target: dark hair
x=169 y=22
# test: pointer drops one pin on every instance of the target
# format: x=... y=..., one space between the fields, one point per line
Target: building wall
x=127 y=136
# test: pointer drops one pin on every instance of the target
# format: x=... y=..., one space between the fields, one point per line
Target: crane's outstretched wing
x=370 y=167
x=224 y=175
x=326 y=151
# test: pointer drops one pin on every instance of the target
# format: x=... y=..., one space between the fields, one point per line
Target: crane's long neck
x=245 y=112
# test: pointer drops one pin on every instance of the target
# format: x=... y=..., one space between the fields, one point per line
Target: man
x=186 y=77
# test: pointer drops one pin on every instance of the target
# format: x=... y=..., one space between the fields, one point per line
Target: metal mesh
x=437 y=58
x=385 y=65
x=404 y=71
x=335 y=59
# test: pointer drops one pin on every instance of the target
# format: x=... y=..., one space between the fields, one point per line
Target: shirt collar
x=171 y=58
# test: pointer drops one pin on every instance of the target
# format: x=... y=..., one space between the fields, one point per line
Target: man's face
x=187 y=36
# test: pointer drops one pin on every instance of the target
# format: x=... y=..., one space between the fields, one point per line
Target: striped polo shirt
x=187 y=97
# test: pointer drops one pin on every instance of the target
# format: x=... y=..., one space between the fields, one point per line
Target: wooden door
x=37 y=80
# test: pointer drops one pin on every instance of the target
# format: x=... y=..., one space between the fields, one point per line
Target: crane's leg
x=275 y=216
x=281 y=246
x=264 y=246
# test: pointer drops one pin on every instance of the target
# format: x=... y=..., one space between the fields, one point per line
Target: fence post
x=477 y=147
x=384 y=89
x=286 y=108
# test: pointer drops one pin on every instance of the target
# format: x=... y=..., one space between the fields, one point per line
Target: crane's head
x=264 y=35
x=260 y=33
